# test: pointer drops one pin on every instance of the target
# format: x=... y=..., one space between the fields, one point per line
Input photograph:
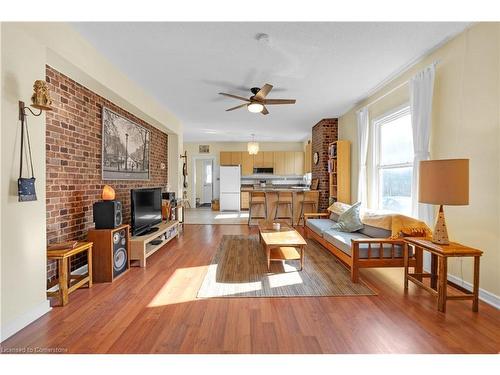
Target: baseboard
x=484 y=295
x=25 y=319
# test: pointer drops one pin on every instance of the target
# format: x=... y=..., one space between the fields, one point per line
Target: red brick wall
x=323 y=133
x=73 y=151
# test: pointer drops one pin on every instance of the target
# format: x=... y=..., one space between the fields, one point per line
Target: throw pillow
x=349 y=221
x=338 y=208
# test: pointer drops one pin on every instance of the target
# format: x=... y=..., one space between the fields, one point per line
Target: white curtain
x=363 y=126
x=421 y=91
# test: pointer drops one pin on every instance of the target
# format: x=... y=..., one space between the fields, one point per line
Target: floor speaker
x=111 y=252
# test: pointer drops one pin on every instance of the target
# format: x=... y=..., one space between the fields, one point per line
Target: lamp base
x=440 y=233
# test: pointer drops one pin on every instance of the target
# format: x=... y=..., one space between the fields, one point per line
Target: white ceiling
x=327 y=67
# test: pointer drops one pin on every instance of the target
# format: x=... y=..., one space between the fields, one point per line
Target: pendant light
x=253 y=147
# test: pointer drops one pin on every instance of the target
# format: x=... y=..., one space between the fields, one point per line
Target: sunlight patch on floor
x=181 y=287
x=290 y=276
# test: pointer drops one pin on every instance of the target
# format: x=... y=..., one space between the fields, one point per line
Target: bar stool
x=285 y=198
x=257 y=198
x=311 y=199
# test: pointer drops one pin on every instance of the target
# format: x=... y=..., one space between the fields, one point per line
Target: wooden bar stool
x=257 y=199
x=285 y=198
x=310 y=198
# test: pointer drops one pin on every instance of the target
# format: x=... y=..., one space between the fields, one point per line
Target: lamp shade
x=444 y=182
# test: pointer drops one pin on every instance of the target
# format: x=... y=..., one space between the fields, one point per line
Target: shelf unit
x=339 y=170
x=141 y=246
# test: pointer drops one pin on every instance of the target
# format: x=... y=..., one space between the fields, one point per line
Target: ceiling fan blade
x=266 y=89
x=234 y=96
x=238 y=106
x=265 y=111
x=279 y=101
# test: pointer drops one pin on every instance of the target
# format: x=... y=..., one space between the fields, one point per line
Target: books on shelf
x=332 y=166
x=332 y=150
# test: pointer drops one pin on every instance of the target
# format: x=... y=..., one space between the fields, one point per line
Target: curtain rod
x=394 y=88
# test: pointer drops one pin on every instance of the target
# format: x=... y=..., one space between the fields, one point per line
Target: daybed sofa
x=369 y=247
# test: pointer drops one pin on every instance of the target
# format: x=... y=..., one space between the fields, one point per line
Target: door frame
x=194 y=160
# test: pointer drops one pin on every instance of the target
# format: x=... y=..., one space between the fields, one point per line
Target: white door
x=207 y=181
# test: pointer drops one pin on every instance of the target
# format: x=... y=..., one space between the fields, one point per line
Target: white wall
x=465 y=124
x=217 y=147
x=26 y=49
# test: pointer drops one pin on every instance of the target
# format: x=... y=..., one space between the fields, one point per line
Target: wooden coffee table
x=283 y=244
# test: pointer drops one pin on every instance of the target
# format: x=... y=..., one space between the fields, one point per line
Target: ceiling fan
x=257 y=102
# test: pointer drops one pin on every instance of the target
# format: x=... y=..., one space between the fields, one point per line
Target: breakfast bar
x=267 y=210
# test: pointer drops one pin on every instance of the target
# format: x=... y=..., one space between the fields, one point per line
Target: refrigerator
x=230 y=188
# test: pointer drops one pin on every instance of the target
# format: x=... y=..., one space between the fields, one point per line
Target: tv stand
x=149 y=231
x=141 y=246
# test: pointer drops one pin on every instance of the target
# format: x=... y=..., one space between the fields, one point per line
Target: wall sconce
x=40 y=100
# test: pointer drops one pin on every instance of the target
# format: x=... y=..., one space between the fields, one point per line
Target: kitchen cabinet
x=289 y=163
x=268 y=159
x=279 y=163
x=247 y=163
x=258 y=160
x=308 y=158
x=298 y=163
x=235 y=158
x=225 y=158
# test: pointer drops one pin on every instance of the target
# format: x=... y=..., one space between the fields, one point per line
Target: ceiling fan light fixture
x=255 y=107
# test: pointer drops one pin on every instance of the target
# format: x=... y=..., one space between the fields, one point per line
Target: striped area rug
x=239 y=269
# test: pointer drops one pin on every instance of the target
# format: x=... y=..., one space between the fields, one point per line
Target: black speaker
x=107 y=214
x=120 y=252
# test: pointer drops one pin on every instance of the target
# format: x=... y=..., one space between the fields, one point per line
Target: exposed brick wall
x=323 y=133
x=73 y=151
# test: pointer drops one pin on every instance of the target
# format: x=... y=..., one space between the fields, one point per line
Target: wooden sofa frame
x=354 y=263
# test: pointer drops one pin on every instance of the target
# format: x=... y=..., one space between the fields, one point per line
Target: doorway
x=203 y=182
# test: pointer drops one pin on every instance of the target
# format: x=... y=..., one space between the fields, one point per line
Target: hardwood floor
x=154 y=310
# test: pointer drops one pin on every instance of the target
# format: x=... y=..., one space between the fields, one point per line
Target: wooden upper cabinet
x=268 y=159
x=246 y=164
x=258 y=160
x=225 y=158
x=289 y=163
x=299 y=163
x=279 y=162
x=308 y=158
x=235 y=157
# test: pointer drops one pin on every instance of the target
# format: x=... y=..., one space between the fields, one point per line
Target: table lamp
x=443 y=182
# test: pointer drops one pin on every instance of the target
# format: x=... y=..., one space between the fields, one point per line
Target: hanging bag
x=26 y=186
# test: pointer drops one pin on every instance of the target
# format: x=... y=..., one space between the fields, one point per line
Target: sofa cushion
x=375 y=232
x=342 y=241
x=349 y=221
x=334 y=216
x=318 y=226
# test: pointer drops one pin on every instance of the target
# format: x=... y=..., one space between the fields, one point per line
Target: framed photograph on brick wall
x=125 y=148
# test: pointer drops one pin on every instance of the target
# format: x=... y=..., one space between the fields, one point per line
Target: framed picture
x=314 y=184
x=125 y=148
x=204 y=149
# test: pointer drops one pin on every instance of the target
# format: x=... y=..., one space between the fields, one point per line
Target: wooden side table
x=439 y=270
x=68 y=282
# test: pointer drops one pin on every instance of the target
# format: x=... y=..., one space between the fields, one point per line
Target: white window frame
x=389 y=116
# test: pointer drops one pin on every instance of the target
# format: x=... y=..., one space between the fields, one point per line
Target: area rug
x=239 y=269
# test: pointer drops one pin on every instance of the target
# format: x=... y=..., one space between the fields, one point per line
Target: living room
x=250 y=187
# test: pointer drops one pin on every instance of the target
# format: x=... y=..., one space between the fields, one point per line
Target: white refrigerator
x=230 y=188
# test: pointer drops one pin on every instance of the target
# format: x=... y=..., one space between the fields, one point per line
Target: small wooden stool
x=285 y=198
x=310 y=199
x=64 y=277
x=257 y=198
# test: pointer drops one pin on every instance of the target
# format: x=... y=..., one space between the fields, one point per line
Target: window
x=394 y=161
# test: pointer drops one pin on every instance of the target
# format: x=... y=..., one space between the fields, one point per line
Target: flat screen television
x=145 y=210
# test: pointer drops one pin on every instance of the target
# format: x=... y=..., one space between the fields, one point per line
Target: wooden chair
x=311 y=200
x=285 y=198
x=257 y=199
